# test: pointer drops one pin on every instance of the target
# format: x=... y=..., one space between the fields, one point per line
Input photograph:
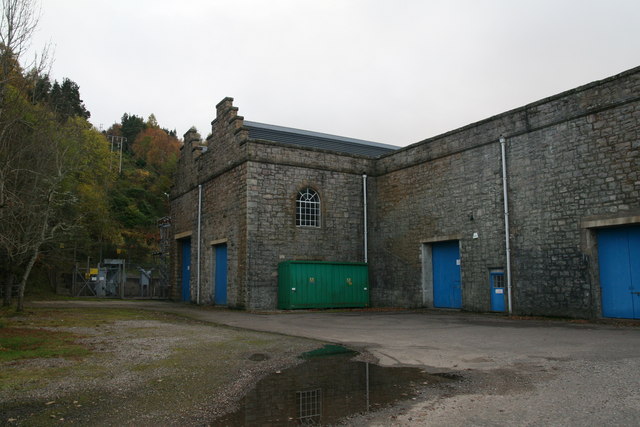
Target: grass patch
x=16 y=377
x=68 y=317
x=22 y=336
x=174 y=362
x=26 y=343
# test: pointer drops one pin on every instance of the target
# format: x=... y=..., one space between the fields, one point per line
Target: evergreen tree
x=132 y=125
x=65 y=101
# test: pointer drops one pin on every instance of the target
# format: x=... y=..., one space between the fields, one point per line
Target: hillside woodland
x=68 y=193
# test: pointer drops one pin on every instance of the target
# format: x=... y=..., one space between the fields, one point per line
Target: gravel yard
x=157 y=370
x=175 y=364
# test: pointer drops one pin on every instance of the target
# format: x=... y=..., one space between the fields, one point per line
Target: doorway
x=619 y=262
x=186 y=269
x=447 y=289
x=220 y=274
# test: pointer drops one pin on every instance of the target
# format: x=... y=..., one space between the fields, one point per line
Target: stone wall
x=573 y=163
x=449 y=198
x=219 y=165
x=183 y=218
x=273 y=236
x=224 y=202
x=570 y=157
x=248 y=202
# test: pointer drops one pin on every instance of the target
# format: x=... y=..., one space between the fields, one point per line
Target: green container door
x=314 y=284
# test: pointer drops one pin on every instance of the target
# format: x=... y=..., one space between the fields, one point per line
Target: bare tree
x=17 y=24
x=43 y=160
x=19 y=21
x=40 y=200
x=28 y=179
x=45 y=201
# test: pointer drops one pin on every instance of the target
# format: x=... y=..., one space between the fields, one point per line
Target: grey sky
x=389 y=71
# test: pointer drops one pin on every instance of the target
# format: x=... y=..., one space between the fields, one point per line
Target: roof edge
x=316 y=149
x=319 y=135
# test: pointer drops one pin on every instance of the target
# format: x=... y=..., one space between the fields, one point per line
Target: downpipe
x=199 y=244
x=503 y=151
x=364 y=215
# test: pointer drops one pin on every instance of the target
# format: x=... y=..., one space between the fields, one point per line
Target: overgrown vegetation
x=139 y=197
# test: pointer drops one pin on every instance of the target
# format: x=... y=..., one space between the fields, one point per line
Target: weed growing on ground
x=26 y=343
x=29 y=335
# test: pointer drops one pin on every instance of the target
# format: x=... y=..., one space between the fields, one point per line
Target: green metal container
x=316 y=284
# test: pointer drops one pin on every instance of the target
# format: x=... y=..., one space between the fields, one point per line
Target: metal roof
x=319 y=140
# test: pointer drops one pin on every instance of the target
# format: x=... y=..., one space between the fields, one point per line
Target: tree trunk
x=25 y=276
x=8 y=288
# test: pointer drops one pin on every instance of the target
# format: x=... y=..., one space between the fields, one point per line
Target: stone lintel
x=443 y=238
x=608 y=221
x=182 y=235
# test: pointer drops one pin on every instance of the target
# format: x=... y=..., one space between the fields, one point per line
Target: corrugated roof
x=319 y=140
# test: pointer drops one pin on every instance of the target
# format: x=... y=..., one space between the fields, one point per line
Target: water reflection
x=323 y=390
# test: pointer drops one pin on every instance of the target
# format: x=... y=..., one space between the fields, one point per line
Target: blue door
x=220 y=296
x=619 y=259
x=186 y=269
x=497 y=291
x=447 y=292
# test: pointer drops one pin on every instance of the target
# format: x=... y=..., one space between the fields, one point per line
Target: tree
x=17 y=24
x=65 y=100
x=157 y=148
x=41 y=88
x=48 y=166
x=34 y=193
x=54 y=170
x=132 y=125
x=152 y=122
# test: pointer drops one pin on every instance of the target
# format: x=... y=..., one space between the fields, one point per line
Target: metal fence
x=119 y=278
x=114 y=278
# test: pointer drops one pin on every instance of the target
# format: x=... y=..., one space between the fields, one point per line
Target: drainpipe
x=198 y=257
x=364 y=192
x=506 y=219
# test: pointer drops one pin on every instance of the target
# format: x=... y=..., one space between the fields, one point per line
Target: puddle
x=327 y=387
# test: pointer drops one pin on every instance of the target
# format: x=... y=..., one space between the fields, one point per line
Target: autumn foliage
x=157 y=148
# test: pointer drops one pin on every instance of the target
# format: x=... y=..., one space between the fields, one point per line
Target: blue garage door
x=186 y=269
x=619 y=259
x=447 y=292
x=220 y=296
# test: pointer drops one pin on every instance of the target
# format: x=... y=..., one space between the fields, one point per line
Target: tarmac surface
x=518 y=371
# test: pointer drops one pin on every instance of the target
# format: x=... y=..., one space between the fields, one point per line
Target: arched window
x=308 y=208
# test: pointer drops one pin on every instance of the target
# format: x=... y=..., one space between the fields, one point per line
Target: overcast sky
x=391 y=71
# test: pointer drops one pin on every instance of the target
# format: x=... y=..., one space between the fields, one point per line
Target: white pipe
x=198 y=257
x=506 y=219
x=364 y=192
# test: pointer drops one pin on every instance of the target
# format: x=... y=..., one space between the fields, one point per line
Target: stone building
x=433 y=232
